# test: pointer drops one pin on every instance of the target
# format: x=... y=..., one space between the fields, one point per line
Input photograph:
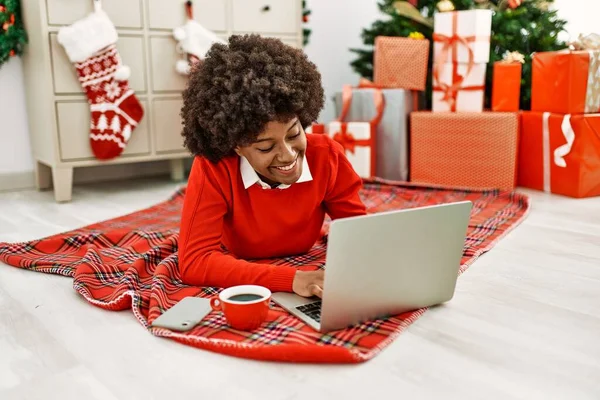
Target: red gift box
x=401 y=63
x=467 y=150
x=566 y=82
x=506 y=86
x=560 y=153
x=316 y=128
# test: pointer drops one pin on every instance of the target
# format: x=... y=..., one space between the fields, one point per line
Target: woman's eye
x=265 y=150
x=294 y=136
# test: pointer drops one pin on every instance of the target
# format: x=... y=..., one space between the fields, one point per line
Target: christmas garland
x=12 y=33
x=305 y=31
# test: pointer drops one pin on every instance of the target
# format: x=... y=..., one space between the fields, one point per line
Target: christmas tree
x=12 y=34
x=524 y=26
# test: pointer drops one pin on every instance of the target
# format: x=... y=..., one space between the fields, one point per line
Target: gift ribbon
x=347 y=100
x=569 y=134
x=348 y=141
x=560 y=152
x=592 y=98
x=364 y=83
x=451 y=43
x=546 y=150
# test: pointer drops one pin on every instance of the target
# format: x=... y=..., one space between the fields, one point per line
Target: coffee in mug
x=245 y=307
x=245 y=297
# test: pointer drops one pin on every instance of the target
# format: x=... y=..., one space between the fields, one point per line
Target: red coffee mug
x=245 y=307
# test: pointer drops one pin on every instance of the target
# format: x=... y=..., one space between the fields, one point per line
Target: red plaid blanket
x=131 y=262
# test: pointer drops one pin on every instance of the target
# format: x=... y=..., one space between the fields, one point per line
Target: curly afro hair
x=242 y=86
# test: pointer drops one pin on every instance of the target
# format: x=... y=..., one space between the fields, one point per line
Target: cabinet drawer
x=170 y=14
x=167 y=125
x=164 y=56
x=274 y=16
x=123 y=13
x=73 y=119
x=131 y=49
x=290 y=41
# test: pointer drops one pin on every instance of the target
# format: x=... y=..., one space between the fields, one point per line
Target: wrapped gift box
x=316 y=128
x=359 y=144
x=462 y=36
x=566 y=82
x=456 y=88
x=560 y=153
x=359 y=138
x=392 y=131
x=464 y=150
x=401 y=62
x=461 y=52
x=506 y=86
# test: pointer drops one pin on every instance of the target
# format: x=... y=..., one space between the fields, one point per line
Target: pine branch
x=13 y=37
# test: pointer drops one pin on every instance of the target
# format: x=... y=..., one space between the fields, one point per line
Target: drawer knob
x=266 y=8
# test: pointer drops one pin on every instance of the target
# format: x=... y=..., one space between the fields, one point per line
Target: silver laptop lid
x=392 y=262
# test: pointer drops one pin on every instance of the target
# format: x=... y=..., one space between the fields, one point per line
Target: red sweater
x=257 y=223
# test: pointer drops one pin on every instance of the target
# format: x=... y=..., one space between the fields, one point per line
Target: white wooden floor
x=524 y=324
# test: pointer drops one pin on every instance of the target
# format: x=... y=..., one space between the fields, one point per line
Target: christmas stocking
x=115 y=111
x=194 y=41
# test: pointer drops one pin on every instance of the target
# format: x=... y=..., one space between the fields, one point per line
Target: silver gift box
x=392 y=131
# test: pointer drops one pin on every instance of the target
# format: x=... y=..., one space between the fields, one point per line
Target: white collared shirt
x=250 y=177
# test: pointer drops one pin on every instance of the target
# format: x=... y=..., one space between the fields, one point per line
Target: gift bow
x=560 y=152
x=364 y=83
x=448 y=43
x=589 y=42
x=513 y=57
x=348 y=141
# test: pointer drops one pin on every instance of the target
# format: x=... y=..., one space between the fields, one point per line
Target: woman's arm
x=342 y=199
x=201 y=259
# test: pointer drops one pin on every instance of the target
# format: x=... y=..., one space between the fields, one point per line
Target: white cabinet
x=168 y=14
x=266 y=16
x=123 y=13
x=58 y=111
x=73 y=117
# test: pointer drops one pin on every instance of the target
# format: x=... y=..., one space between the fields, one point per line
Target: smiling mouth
x=288 y=167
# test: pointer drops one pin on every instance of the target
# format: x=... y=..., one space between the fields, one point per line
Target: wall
x=579 y=15
x=336 y=27
x=15 y=155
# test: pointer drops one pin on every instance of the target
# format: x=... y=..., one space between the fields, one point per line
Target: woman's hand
x=309 y=283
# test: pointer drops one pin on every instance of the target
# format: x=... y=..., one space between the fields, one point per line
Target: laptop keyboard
x=313 y=310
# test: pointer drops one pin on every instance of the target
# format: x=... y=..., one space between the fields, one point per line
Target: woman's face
x=278 y=152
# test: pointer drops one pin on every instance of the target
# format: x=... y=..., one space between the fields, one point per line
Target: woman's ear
x=237 y=151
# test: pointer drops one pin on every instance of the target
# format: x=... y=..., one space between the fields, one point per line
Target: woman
x=259 y=186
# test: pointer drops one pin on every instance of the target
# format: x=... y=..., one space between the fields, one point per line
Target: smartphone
x=184 y=315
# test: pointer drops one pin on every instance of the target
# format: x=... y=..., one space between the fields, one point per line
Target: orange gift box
x=566 y=82
x=506 y=86
x=476 y=150
x=560 y=153
x=401 y=63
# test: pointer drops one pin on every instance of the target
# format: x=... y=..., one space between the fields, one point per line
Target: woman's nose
x=288 y=154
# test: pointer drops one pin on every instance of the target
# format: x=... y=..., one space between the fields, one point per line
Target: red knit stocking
x=115 y=111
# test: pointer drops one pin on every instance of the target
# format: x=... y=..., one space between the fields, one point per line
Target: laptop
x=384 y=264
